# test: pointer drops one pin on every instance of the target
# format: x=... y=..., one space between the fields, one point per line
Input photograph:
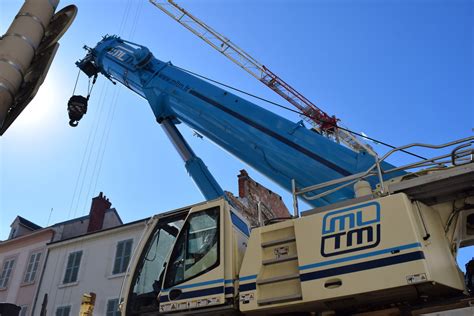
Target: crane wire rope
x=100 y=153
x=104 y=139
x=102 y=144
x=109 y=127
x=80 y=176
x=81 y=179
x=89 y=149
x=77 y=79
x=104 y=133
x=92 y=158
x=107 y=122
x=82 y=161
x=138 y=12
x=100 y=139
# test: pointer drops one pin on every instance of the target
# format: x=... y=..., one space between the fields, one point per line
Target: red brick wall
x=250 y=193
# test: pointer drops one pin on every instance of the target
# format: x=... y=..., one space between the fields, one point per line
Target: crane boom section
x=280 y=149
x=320 y=120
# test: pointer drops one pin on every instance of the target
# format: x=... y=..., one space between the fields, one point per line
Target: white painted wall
x=95 y=272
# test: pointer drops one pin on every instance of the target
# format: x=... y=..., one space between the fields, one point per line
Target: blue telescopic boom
x=280 y=149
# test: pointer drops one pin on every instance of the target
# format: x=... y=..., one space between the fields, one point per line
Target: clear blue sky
x=400 y=71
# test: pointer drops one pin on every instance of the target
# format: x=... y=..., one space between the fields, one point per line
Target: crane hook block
x=76 y=107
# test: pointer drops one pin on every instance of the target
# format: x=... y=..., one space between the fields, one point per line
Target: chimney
x=96 y=215
x=251 y=194
x=243 y=183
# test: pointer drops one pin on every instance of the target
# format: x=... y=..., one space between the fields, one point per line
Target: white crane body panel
x=364 y=254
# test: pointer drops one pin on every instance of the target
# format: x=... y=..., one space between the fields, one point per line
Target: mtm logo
x=120 y=53
x=351 y=229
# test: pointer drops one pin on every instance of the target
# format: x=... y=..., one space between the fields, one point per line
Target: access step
x=279 y=260
x=278 y=242
x=280 y=299
x=278 y=279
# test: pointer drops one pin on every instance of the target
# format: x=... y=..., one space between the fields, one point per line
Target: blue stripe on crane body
x=273 y=134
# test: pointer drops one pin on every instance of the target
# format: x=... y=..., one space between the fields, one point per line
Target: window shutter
x=72 y=269
x=126 y=257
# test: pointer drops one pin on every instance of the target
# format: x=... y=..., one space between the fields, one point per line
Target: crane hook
x=76 y=107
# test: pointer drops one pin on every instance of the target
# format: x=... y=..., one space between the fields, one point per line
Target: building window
x=6 y=272
x=113 y=307
x=24 y=310
x=72 y=268
x=122 y=256
x=32 y=267
x=63 y=311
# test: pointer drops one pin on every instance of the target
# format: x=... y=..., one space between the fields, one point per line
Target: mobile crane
x=388 y=244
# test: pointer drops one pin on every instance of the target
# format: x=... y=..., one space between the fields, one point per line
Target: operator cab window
x=148 y=276
x=197 y=248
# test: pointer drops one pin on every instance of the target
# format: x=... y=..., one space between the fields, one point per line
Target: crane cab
x=187 y=260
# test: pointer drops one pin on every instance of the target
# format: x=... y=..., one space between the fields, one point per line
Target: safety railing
x=461 y=154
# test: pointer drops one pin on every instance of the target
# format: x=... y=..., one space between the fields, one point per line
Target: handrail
x=455 y=156
x=462 y=140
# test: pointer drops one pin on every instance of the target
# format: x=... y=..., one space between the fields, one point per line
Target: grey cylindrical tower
x=18 y=47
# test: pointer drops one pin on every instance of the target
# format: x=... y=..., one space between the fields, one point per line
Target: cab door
x=147 y=265
x=194 y=277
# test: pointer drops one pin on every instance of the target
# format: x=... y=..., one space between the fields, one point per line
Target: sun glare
x=40 y=109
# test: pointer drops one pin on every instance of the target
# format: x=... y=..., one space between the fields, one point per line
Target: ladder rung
x=278 y=242
x=279 y=260
x=281 y=299
x=278 y=279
